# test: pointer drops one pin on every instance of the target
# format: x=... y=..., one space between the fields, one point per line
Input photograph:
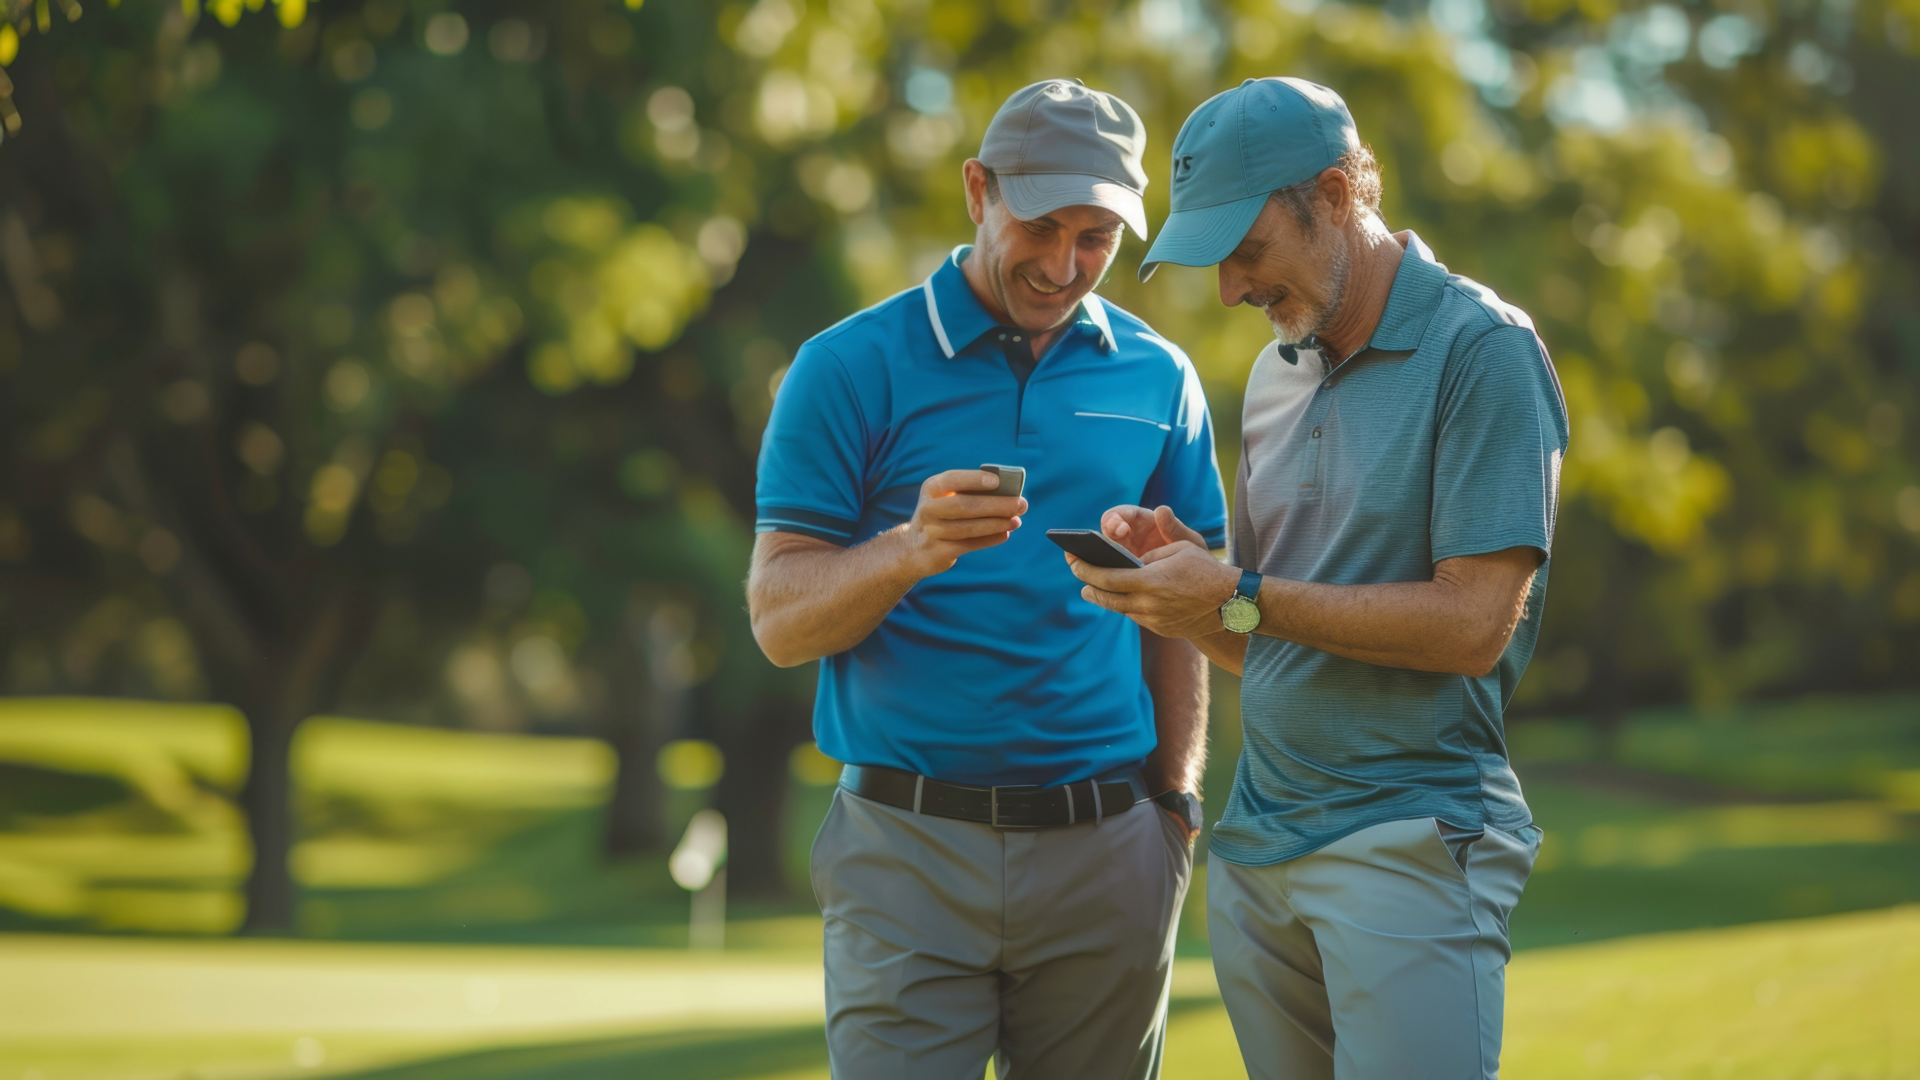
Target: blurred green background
x=381 y=384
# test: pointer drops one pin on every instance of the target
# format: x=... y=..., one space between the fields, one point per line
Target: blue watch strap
x=1249 y=586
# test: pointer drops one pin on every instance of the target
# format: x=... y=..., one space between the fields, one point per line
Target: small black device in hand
x=1013 y=479
x=1095 y=547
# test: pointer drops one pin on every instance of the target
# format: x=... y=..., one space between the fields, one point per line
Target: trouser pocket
x=1457 y=841
x=819 y=854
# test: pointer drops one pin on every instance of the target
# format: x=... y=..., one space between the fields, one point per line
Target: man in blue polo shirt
x=1006 y=856
x=1393 y=515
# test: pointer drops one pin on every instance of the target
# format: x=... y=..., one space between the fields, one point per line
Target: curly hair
x=1363 y=176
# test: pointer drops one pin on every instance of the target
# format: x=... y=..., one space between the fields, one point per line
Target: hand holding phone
x=959 y=512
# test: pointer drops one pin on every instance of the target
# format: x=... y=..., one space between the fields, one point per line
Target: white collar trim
x=1091 y=304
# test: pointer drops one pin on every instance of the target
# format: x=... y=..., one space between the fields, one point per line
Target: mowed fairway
x=1652 y=932
x=1818 y=999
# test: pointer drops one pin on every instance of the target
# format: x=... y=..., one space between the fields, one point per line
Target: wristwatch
x=1240 y=614
x=1184 y=805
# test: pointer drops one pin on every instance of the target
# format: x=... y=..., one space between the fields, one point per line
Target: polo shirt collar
x=1417 y=287
x=958 y=318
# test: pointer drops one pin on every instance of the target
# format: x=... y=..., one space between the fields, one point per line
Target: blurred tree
x=415 y=357
x=349 y=350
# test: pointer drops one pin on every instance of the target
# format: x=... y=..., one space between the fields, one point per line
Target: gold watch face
x=1240 y=615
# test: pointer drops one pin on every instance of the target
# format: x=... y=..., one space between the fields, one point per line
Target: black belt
x=1001 y=807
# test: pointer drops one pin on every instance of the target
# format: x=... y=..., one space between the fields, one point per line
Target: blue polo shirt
x=996 y=671
x=1442 y=438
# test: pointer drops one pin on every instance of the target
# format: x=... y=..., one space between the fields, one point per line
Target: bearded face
x=1294 y=271
x=1307 y=308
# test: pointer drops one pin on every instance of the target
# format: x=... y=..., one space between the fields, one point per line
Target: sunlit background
x=381 y=384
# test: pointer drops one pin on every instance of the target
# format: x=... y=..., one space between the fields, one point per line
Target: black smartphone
x=1094 y=546
x=1013 y=479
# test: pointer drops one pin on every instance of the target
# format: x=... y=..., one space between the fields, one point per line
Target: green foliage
x=1704 y=261
x=412 y=359
x=374 y=229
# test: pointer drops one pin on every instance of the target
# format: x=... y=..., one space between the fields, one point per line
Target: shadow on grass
x=713 y=1054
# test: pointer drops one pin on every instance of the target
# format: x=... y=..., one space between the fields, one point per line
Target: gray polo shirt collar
x=1415 y=296
x=959 y=319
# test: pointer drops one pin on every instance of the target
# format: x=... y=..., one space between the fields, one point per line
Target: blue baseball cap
x=1237 y=148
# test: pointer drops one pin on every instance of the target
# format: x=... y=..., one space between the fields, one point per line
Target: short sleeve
x=813 y=454
x=1188 y=475
x=1501 y=434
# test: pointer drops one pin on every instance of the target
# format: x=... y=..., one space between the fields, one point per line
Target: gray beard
x=1319 y=318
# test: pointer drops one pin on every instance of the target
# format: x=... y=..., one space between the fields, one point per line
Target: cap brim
x=1033 y=195
x=1203 y=235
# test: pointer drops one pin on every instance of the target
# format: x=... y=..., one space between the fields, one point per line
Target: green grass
x=1662 y=845
x=119 y=816
x=1833 y=997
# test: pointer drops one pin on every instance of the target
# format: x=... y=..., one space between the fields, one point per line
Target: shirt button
x=1316 y=433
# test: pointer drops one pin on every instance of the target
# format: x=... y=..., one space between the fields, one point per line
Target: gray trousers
x=949 y=942
x=1381 y=956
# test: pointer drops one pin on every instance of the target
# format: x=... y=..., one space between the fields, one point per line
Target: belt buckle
x=993 y=808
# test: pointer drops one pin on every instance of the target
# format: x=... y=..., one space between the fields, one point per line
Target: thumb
x=1175 y=529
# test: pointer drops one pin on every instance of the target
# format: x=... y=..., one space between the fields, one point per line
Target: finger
x=979 y=542
x=1125 y=520
x=943 y=484
x=969 y=528
x=956 y=507
x=1175 y=529
x=1160 y=554
x=1104 y=578
x=1110 y=600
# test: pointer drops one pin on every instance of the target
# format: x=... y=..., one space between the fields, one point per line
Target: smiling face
x=1295 y=274
x=1038 y=271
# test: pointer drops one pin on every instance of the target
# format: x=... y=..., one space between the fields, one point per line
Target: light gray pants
x=949 y=941
x=1381 y=956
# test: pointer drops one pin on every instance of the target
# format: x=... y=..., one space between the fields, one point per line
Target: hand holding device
x=1178 y=593
x=959 y=512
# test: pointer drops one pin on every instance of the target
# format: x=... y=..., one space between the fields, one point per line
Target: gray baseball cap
x=1058 y=143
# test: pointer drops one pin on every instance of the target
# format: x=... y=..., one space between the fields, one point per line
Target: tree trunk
x=752 y=793
x=637 y=813
x=282 y=696
x=267 y=800
x=649 y=705
x=1610 y=692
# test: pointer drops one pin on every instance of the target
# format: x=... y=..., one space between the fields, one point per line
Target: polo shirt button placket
x=1310 y=466
x=1021 y=362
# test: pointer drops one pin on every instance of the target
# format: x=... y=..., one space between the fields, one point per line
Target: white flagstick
x=698 y=865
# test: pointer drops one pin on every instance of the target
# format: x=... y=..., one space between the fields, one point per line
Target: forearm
x=813 y=599
x=1458 y=622
x=1419 y=625
x=1176 y=676
x=1225 y=648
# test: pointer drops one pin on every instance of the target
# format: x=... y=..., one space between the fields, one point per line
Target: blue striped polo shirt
x=1442 y=438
